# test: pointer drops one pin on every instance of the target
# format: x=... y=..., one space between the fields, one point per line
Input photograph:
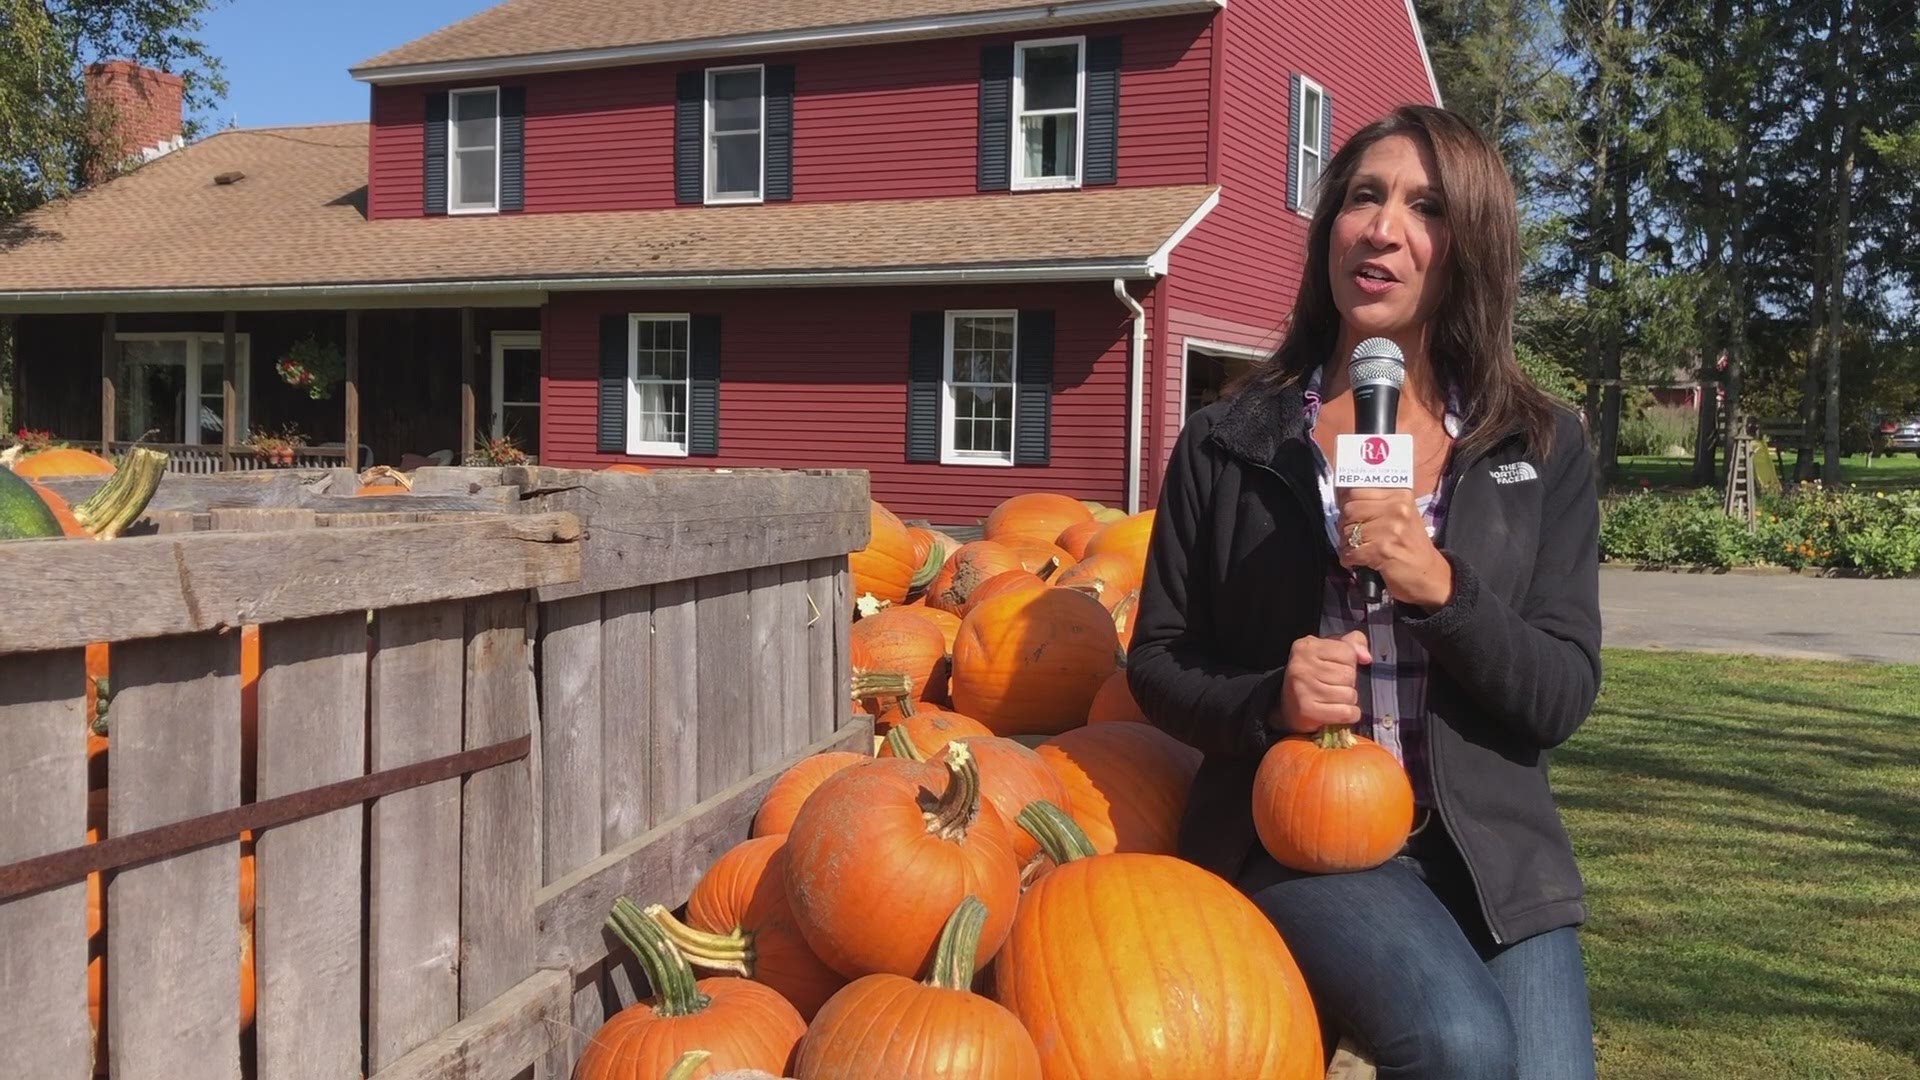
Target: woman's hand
x=1394 y=542
x=1321 y=685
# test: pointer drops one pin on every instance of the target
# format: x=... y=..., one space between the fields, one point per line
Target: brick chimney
x=145 y=114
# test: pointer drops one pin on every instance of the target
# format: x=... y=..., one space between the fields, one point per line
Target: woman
x=1459 y=956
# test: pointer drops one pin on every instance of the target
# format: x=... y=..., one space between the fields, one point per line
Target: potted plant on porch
x=277 y=448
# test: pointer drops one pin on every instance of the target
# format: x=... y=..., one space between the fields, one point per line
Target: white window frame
x=635 y=445
x=948 y=409
x=195 y=341
x=453 y=150
x=502 y=341
x=1318 y=93
x=709 y=146
x=1018 y=143
x=1219 y=348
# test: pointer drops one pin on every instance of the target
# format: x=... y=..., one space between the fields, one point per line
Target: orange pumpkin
x=1115 y=702
x=1073 y=539
x=1108 y=577
x=889 y=1027
x=70 y=526
x=1331 y=802
x=741 y=1023
x=1020 y=582
x=1190 y=978
x=1012 y=777
x=1040 y=515
x=884 y=568
x=947 y=622
x=1127 y=784
x=866 y=843
x=1043 y=557
x=785 y=797
x=901 y=641
x=64 y=461
x=972 y=566
x=1128 y=537
x=1032 y=663
x=926 y=729
x=738 y=920
x=628 y=467
x=1124 y=614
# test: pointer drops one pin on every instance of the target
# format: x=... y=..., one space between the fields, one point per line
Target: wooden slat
x=589 y=1011
x=571 y=756
x=43 y=803
x=201 y=581
x=626 y=728
x=841 y=619
x=796 y=685
x=413 y=928
x=278 y=519
x=724 y=658
x=313 y=685
x=824 y=702
x=181 y=491
x=682 y=524
x=766 y=671
x=675 y=758
x=661 y=866
x=522 y=1027
x=498 y=872
x=174 y=995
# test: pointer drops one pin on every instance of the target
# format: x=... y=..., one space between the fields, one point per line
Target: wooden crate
x=635 y=658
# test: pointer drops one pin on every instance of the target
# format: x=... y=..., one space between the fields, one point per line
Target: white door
x=516 y=387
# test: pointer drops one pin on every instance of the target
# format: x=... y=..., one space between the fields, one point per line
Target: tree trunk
x=1713 y=273
x=1837 y=250
x=1619 y=229
x=1810 y=397
x=1737 y=255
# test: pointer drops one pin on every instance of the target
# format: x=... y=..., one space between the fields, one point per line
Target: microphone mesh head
x=1377 y=361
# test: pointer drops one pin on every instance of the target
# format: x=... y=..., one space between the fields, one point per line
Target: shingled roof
x=295 y=221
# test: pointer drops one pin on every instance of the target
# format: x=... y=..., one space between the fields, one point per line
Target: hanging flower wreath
x=312 y=366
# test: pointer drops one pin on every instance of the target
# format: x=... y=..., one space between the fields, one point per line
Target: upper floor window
x=1049 y=109
x=1313 y=143
x=735 y=137
x=473 y=150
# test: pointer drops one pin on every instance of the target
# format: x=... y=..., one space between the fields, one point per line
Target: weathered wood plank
x=682 y=524
x=841 y=619
x=570 y=742
x=173 y=1000
x=675 y=757
x=663 y=865
x=498 y=871
x=765 y=672
x=522 y=1027
x=725 y=658
x=825 y=703
x=252 y=520
x=626 y=727
x=589 y=1011
x=413 y=926
x=186 y=491
x=43 y=802
x=313 y=685
x=203 y=581
x=796 y=683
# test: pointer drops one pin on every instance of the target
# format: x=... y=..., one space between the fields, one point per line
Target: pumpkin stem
x=1049 y=568
x=867 y=684
x=923 y=577
x=956 y=808
x=959 y=947
x=1058 y=834
x=124 y=497
x=906 y=703
x=1334 y=737
x=902 y=746
x=722 y=952
x=667 y=971
x=688 y=1064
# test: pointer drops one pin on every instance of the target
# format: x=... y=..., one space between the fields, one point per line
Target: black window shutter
x=1294 y=194
x=1033 y=389
x=926 y=342
x=780 y=133
x=996 y=118
x=613 y=384
x=1326 y=130
x=703 y=369
x=434 y=175
x=1103 y=111
x=689 y=130
x=513 y=148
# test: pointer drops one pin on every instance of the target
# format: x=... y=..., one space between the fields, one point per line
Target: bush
x=1877 y=533
x=1659 y=428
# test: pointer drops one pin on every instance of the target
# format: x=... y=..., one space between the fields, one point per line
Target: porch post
x=108 y=346
x=229 y=398
x=10 y=330
x=466 y=385
x=353 y=390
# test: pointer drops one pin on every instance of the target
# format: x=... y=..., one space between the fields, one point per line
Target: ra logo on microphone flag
x=1375 y=452
x=1373 y=461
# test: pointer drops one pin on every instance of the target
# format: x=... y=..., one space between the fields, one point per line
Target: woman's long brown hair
x=1472 y=340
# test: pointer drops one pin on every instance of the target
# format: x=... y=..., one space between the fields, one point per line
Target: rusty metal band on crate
x=176 y=838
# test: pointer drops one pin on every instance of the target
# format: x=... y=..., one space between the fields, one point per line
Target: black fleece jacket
x=1235 y=573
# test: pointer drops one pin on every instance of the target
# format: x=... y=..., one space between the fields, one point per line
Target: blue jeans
x=1399 y=958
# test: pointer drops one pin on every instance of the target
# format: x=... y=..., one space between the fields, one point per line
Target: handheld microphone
x=1374 y=456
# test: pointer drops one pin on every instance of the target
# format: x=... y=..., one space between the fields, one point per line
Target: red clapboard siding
x=875 y=122
x=816 y=378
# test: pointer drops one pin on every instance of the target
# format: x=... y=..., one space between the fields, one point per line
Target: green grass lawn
x=1885 y=472
x=1750 y=834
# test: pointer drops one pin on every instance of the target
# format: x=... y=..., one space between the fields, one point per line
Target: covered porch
x=391 y=386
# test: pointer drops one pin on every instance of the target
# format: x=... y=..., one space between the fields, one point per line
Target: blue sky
x=287 y=62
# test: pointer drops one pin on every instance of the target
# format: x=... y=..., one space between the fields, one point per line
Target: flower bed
x=1875 y=533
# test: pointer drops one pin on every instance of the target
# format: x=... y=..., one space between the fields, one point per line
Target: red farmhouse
x=972 y=247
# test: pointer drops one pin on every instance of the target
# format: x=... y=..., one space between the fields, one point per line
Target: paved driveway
x=1834 y=618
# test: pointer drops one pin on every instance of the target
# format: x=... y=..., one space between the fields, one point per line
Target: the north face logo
x=1518 y=472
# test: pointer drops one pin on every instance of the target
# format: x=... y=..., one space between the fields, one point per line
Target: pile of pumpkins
x=994 y=893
